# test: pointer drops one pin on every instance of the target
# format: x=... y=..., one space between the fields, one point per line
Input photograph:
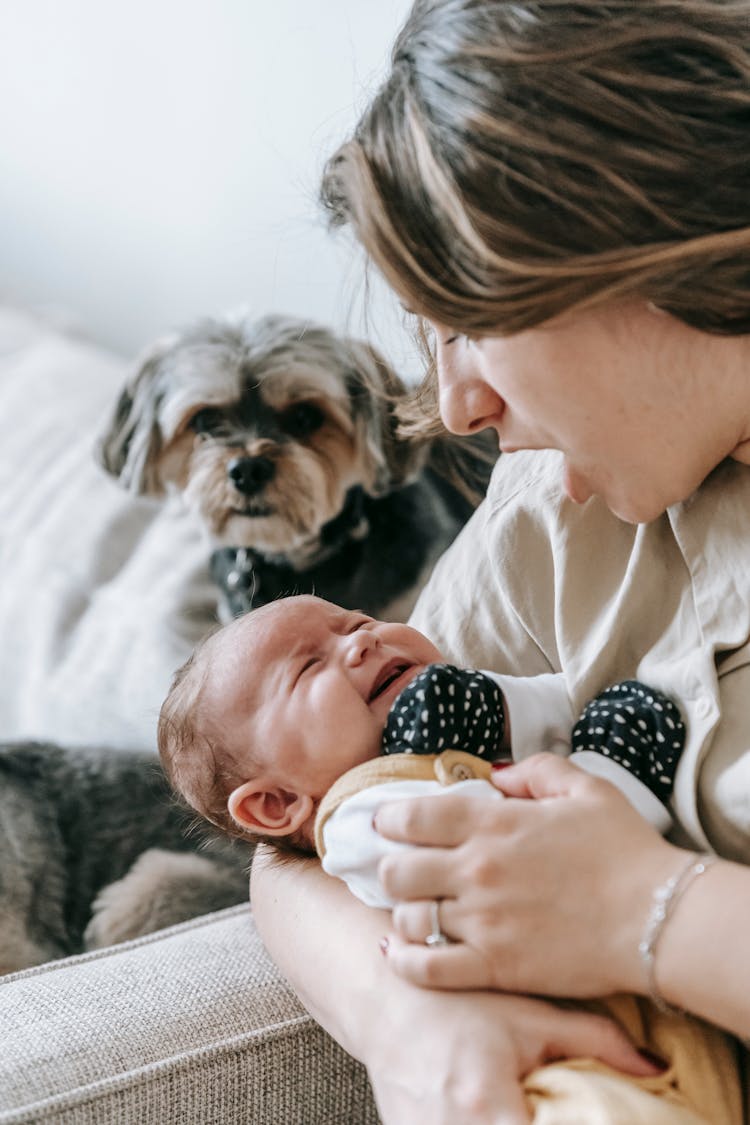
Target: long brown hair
x=526 y=158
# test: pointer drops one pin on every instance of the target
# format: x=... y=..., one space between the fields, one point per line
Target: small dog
x=94 y=850
x=282 y=437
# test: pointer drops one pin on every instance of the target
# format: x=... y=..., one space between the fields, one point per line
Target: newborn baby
x=292 y=723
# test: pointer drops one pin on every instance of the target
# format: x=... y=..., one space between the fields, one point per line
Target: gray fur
x=244 y=349
x=94 y=849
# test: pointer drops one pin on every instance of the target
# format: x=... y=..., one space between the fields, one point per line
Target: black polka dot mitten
x=637 y=727
x=447 y=708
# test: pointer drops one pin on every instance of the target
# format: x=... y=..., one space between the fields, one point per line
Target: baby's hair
x=529 y=158
x=196 y=761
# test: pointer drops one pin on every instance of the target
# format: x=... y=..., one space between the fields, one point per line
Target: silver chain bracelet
x=663 y=903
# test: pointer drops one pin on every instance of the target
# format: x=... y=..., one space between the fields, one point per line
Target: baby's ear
x=274 y=811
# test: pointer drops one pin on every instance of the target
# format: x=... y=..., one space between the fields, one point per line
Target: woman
x=560 y=191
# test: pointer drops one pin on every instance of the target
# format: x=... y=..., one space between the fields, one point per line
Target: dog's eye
x=206 y=421
x=301 y=419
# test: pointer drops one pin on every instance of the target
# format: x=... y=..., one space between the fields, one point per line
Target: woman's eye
x=459 y=336
x=301 y=419
x=206 y=421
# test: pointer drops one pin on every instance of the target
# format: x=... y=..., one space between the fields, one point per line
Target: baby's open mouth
x=387 y=676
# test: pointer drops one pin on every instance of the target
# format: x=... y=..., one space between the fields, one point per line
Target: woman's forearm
x=702 y=960
x=320 y=936
x=441 y=1057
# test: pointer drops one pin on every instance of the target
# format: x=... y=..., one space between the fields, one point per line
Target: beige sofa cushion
x=192 y=1024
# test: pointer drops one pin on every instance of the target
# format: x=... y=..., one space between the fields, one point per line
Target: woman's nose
x=467 y=403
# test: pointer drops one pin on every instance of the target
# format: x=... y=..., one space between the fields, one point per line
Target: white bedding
x=102 y=596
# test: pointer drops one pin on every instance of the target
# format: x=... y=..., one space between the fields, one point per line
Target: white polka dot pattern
x=637 y=727
x=447 y=708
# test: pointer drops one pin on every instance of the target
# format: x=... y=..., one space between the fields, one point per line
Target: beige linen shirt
x=537 y=584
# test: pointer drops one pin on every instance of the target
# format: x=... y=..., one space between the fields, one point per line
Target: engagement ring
x=436 y=937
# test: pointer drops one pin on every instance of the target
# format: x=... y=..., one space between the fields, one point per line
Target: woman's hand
x=464 y=1055
x=547 y=895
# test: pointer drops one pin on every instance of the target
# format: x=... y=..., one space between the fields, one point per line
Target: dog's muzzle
x=250 y=474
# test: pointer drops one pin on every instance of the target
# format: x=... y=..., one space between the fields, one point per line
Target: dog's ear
x=375 y=391
x=269 y=810
x=130 y=446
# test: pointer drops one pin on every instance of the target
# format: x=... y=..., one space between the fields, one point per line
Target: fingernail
x=383 y=945
x=654 y=1059
x=501 y=765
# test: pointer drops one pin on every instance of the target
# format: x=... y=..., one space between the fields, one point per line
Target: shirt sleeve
x=541 y=718
x=639 y=795
x=539 y=713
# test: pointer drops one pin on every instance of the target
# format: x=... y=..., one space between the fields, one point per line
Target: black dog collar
x=249 y=578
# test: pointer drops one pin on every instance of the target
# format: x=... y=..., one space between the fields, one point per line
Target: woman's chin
x=640 y=510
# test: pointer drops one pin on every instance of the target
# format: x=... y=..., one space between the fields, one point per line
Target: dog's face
x=264 y=426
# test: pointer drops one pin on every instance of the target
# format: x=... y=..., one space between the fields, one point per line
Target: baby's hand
x=446 y=708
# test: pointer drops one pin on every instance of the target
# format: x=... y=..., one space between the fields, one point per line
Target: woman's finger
x=453 y=966
x=543 y=775
x=424 y=873
x=514 y=1108
x=444 y=821
x=415 y=921
x=572 y=1034
x=505 y=1105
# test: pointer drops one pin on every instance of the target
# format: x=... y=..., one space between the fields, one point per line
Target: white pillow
x=102 y=596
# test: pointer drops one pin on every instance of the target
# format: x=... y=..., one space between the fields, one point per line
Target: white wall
x=159 y=159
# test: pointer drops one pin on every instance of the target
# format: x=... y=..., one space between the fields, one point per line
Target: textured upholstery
x=189 y=1025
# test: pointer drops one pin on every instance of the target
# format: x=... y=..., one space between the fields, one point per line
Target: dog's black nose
x=249 y=474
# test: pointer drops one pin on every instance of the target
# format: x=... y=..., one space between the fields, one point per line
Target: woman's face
x=617 y=390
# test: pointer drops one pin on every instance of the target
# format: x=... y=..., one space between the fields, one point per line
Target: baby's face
x=305 y=687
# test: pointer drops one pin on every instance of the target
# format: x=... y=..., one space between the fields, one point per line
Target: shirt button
x=456 y=765
x=703 y=707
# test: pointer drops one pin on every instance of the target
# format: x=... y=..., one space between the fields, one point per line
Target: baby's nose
x=357 y=645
